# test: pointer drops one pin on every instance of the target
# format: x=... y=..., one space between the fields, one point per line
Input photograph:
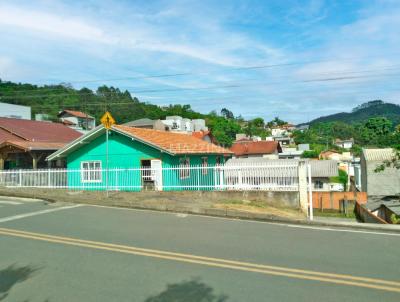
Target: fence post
x=240 y=180
x=20 y=177
x=302 y=174
x=215 y=177
x=310 y=202
x=198 y=179
x=221 y=179
x=49 y=178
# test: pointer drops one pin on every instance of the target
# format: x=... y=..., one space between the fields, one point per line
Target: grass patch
x=333 y=213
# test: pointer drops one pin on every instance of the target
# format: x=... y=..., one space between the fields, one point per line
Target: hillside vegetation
x=363 y=112
x=50 y=99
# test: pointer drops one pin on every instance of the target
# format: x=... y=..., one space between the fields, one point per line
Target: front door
x=156 y=174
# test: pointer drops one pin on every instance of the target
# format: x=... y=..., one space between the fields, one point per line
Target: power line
x=199 y=73
x=253 y=67
x=208 y=87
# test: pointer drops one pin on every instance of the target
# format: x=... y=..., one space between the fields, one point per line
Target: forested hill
x=123 y=106
x=51 y=99
x=363 y=112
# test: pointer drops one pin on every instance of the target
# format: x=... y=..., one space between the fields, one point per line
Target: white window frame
x=91 y=173
x=184 y=164
x=204 y=165
x=318 y=184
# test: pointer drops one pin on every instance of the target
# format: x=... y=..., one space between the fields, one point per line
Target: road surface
x=69 y=252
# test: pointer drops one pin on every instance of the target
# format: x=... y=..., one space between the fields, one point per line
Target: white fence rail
x=177 y=178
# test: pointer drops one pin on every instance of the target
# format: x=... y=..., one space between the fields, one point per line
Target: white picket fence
x=177 y=178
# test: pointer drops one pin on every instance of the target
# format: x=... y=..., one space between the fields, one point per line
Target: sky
x=294 y=59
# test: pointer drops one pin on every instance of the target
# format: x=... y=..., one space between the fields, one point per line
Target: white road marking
x=10 y=202
x=15 y=217
x=332 y=229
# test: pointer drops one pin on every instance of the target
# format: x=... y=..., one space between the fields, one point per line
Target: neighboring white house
x=290 y=153
x=178 y=124
x=321 y=171
x=77 y=120
x=345 y=143
x=15 y=111
x=278 y=132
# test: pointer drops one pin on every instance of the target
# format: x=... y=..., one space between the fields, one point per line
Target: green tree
x=227 y=113
x=342 y=179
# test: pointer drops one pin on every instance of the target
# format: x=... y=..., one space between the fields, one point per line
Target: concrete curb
x=223 y=213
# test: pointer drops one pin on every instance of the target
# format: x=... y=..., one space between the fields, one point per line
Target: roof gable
x=169 y=142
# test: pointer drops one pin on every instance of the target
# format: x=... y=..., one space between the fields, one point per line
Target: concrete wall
x=162 y=199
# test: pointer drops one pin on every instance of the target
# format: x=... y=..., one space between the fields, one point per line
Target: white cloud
x=58 y=26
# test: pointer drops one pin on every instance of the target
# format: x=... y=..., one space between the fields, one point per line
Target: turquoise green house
x=141 y=159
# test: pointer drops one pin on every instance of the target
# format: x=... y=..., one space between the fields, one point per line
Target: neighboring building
x=171 y=123
x=336 y=155
x=264 y=149
x=24 y=144
x=384 y=183
x=279 y=132
x=385 y=208
x=42 y=117
x=140 y=148
x=141 y=123
x=345 y=144
x=321 y=171
x=178 y=124
x=284 y=140
x=240 y=136
x=303 y=147
x=77 y=120
x=293 y=152
x=15 y=111
x=290 y=153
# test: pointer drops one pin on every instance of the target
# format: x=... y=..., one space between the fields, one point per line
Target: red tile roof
x=200 y=134
x=175 y=143
x=261 y=147
x=37 y=135
x=38 y=131
x=76 y=113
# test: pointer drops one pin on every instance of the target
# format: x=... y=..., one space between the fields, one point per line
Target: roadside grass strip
x=349 y=280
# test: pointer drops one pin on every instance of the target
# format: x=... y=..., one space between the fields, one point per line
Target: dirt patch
x=252 y=208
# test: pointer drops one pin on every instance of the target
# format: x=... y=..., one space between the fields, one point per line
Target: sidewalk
x=182 y=203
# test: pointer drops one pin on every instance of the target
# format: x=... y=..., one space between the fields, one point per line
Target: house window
x=318 y=184
x=218 y=160
x=184 y=171
x=91 y=171
x=204 y=164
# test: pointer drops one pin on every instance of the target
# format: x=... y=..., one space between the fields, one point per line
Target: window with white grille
x=91 y=171
x=204 y=164
x=184 y=172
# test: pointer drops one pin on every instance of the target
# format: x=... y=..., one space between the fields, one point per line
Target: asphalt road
x=62 y=252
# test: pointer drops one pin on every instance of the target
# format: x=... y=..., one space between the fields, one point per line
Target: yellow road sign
x=107 y=120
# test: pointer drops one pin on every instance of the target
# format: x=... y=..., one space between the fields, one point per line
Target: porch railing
x=175 y=178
